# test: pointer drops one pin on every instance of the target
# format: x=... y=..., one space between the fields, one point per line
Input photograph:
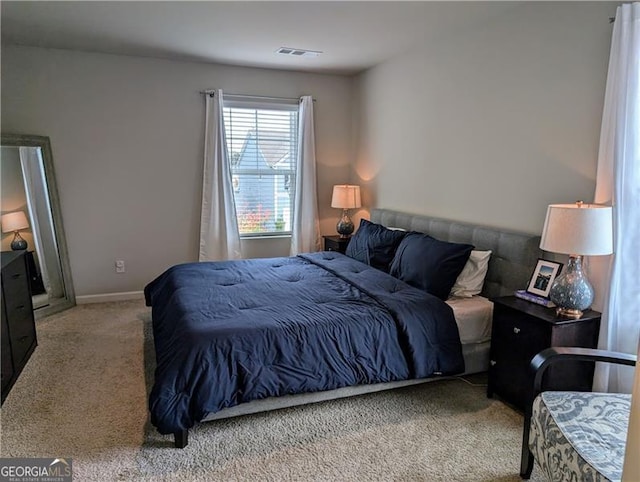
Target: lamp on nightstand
x=577 y=230
x=345 y=196
x=14 y=222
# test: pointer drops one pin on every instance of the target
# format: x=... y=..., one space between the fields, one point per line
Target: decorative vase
x=18 y=243
x=571 y=291
x=345 y=226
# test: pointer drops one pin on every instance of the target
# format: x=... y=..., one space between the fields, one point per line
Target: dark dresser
x=18 y=335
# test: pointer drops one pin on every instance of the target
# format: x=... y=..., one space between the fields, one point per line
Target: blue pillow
x=429 y=264
x=375 y=245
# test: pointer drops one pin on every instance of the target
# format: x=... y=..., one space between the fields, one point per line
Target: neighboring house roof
x=274 y=147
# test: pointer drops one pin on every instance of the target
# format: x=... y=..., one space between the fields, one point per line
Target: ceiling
x=353 y=35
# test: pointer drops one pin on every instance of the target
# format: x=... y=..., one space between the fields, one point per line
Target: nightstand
x=336 y=243
x=520 y=330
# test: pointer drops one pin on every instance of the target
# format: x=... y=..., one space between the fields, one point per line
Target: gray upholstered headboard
x=514 y=254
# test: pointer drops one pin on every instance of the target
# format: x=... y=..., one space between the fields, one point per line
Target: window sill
x=278 y=236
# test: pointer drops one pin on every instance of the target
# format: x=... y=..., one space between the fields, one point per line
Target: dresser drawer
x=20 y=326
x=20 y=348
x=18 y=302
x=6 y=373
x=14 y=276
x=521 y=338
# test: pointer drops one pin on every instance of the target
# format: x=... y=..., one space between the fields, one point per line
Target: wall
x=127 y=139
x=491 y=124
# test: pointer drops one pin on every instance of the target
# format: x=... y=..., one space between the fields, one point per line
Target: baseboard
x=106 y=297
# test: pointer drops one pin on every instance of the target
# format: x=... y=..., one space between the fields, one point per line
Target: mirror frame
x=43 y=142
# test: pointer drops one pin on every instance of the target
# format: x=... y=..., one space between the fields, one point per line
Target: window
x=262 y=147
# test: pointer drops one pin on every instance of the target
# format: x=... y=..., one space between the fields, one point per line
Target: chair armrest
x=548 y=356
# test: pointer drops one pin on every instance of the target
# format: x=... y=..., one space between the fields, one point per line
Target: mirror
x=31 y=216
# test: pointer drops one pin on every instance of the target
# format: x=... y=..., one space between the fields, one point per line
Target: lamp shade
x=14 y=221
x=579 y=229
x=346 y=196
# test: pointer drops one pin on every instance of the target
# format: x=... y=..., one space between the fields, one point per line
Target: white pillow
x=471 y=278
x=395 y=229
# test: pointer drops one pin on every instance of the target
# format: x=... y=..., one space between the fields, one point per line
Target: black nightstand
x=336 y=243
x=520 y=330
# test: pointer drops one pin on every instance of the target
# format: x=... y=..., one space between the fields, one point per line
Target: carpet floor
x=83 y=395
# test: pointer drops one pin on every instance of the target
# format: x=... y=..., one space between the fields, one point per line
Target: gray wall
x=127 y=139
x=491 y=124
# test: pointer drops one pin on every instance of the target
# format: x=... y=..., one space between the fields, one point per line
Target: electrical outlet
x=120 y=266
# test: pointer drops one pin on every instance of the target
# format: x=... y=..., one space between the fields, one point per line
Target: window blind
x=262 y=148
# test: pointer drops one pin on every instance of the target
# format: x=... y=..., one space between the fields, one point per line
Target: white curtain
x=219 y=236
x=618 y=184
x=305 y=235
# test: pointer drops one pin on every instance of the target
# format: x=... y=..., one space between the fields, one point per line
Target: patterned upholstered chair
x=575 y=436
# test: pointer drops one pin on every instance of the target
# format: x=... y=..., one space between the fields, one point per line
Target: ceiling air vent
x=298 y=52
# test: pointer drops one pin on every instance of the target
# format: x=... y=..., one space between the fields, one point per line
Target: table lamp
x=14 y=222
x=577 y=230
x=345 y=196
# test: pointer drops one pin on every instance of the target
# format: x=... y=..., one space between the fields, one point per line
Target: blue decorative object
x=571 y=290
x=345 y=226
x=18 y=243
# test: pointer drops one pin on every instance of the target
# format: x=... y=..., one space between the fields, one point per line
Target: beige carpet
x=83 y=395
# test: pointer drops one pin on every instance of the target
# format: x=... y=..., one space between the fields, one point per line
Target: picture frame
x=543 y=276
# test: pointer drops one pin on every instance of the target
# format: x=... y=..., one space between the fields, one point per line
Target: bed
x=272 y=333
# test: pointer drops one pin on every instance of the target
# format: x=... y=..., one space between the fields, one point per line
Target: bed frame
x=512 y=261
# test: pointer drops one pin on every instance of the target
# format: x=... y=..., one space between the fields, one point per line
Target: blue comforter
x=235 y=331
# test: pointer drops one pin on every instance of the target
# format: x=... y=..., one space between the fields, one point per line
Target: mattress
x=473 y=317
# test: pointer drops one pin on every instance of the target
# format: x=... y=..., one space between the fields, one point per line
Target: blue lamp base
x=18 y=243
x=571 y=291
x=345 y=226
